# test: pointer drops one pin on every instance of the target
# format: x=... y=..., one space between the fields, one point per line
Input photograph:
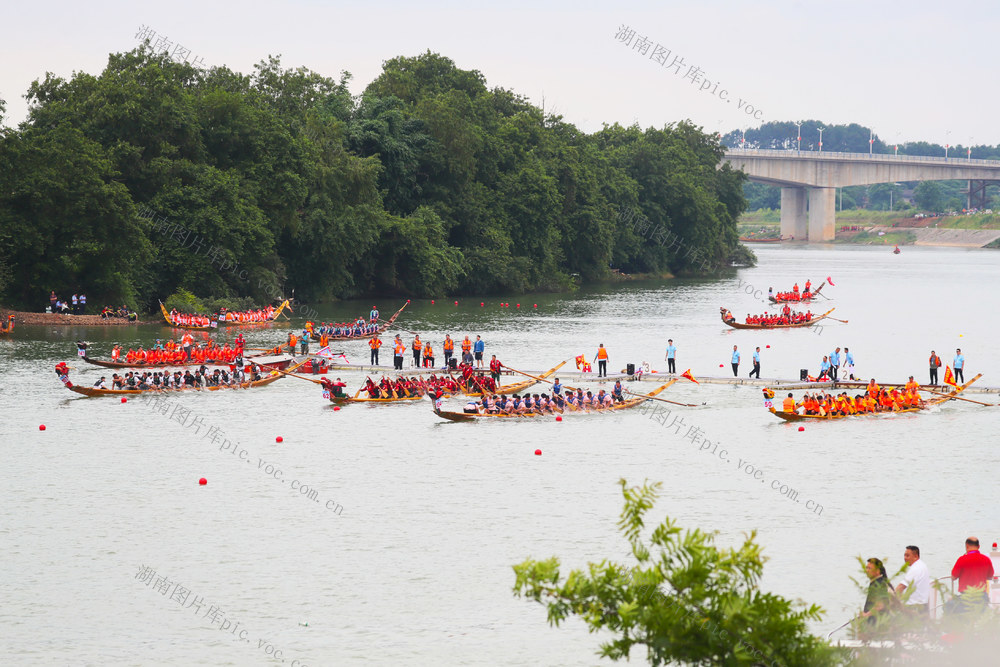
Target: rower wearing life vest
x=873 y=388
x=912 y=386
x=292 y=341
x=808 y=288
x=374 y=343
x=795 y=288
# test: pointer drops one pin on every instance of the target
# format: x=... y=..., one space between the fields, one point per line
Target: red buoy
x=802 y=428
x=336 y=407
x=203 y=481
x=518 y=305
x=720 y=365
x=124 y=400
x=456 y=303
x=768 y=347
x=538 y=452
x=41 y=427
x=558 y=418
x=536 y=305
x=481 y=304
x=407 y=301
x=279 y=439
x=432 y=302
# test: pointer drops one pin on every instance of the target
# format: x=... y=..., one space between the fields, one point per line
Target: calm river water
x=415 y=565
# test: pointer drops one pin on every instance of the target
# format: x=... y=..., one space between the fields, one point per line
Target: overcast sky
x=912 y=71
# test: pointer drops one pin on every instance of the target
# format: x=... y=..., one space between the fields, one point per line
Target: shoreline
x=26 y=318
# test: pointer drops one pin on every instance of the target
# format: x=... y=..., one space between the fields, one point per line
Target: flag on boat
x=949 y=377
x=687 y=376
x=830 y=281
x=580 y=361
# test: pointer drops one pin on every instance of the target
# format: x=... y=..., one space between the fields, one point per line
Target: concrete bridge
x=809 y=180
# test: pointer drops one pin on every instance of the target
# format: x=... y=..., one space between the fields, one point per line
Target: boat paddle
x=665 y=400
x=960 y=398
x=535 y=377
x=835 y=319
x=388 y=323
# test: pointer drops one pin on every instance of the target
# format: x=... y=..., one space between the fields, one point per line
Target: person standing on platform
x=398 y=351
x=756 y=364
x=959 y=366
x=478 y=348
x=418 y=347
x=449 y=349
x=374 y=343
x=373 y=315
x=935 y=362
x=76 y=305
x=495 y=367
x=736 y=362
x=848 y=364
x=671 y=356
x=834 y=364
x=83 y=304
x=602 y=361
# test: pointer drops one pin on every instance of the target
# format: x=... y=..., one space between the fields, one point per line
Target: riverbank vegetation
x=153 y=177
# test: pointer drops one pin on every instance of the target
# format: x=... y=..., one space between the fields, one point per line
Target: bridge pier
x=822 y=214
x=794 y=223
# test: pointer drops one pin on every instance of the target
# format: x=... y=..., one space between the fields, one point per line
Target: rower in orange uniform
x=788 y=405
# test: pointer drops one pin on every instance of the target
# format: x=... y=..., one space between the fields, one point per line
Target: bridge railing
x=866 y=157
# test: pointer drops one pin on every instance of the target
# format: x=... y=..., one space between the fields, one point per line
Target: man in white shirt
x=916 y=580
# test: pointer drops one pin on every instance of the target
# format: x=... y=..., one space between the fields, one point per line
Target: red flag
x=949 y=377
x=830 y=281
x=579 y=361
x=687 y=376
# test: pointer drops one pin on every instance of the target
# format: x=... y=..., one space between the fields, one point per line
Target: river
x=400 y=551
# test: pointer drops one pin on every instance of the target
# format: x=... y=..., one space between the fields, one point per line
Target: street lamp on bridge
x=871 y=140
x=798 y=137
x=821 y=138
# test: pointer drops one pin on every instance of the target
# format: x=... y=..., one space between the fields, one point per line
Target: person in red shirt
x=495 y=367
x=973 y=570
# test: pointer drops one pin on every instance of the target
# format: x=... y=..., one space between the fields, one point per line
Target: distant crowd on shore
x=77 y=305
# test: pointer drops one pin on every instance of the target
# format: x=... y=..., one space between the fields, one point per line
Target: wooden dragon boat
x=94 y=391
x=217 y=323
x=516 y=387
x=365 y=336
x=812 y=295
x=624 y=405
x=742 y=325
x=929 y=403
x=270 y=362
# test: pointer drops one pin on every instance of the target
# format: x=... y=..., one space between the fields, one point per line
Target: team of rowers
x=787 y=316
x=875 y=399
x=359 y=327
x=242 y=317
x=147 y=381
x=794 y=295
x=575 y=400
x=172 y=354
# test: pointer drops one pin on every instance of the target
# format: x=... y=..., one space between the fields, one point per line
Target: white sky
x=914 y=71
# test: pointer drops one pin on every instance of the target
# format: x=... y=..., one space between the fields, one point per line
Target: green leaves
x=685 y=601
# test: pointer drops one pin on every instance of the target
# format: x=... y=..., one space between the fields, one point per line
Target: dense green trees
x=154 y=177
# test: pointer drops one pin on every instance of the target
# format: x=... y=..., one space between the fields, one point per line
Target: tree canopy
x=153 y=177
x=684 y=601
